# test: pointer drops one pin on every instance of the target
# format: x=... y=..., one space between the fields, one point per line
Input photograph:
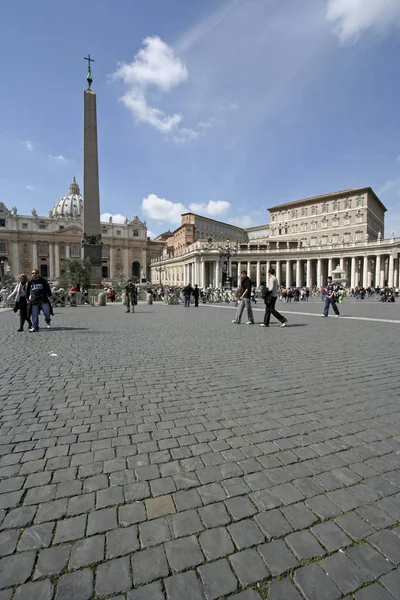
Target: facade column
x=249 y=269
x=111 y=272
x=267 y=268
x=353 y=272
x=383 y=271
x=278 y=273
x=319 y=273
x=288 y=274
x=57 y=259
x=370 y=280
x=67 y=250
x=378 y=271
x=202 y=273
x=217 y=275
x=127 y=269
x=299 y=278
x=35 y=262
x=15 y=263
x=258 y=274
x=391 y=270
x=309 y=275
x=341 y=264
x=51 y=260
x=396 y=273
x=365 y=280
x=330 y=266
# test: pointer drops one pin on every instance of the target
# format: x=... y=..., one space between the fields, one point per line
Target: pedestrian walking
x=187 y=292
x=196 y=293
x=38 y=295
x=19 y=295
x=244 y=300
x=330 y=298
x=271 y=294
x=131 y=296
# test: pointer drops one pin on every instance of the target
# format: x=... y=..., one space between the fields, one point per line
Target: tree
x=75 y=271
x=7 y=280
x=119 y=283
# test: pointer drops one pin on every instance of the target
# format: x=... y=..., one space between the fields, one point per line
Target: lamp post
x=228 y=251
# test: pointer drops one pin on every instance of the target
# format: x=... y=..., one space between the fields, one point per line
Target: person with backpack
x=270 y=296
x=38 y=295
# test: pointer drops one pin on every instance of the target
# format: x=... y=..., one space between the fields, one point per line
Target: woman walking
x=19 y=294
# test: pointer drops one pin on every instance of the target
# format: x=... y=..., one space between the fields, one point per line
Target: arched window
x=75 y=251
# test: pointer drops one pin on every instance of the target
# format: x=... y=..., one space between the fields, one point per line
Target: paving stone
x=149 y=565
x=323 y=507
x=162 y=486
x=373 y=592
x=315 y=584
x=154 y=532
x=216 y=543
x=248 y=567
x=273 y=524
x=240 y=507
x=355 y=527
x=102 y=520
x=304 y=545
x=299 y=515
x=129 y=514
x=347 y=576
x=212 y=492
x=246 y=533
x=187 y=499
x=392 y=583
x=75 y=586
x=50 y=511
x=218 y=579
x=369 y=560
x=79 y=505
x=8 y=541
x=70 y=529
x=12 y=499
x=42 y=590
x=277 y=557
x=37 y=536
x=185 y=523
x=265 y=500
x=19 y=517
x=287 y=493
x=159 y=507
x=184 y=585
x=283 y=590
x=153 y=591
x=52 y=561
x=375 y=515
x=122 y=541
x=331 y=536
x=16 y=569
x=214 y=515
x=113 y=576
x=183 y=553
x=388 y=544
x=87 y=552
x=95 y=483
x=235 y=487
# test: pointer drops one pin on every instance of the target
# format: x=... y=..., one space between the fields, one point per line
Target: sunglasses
x=35 y=273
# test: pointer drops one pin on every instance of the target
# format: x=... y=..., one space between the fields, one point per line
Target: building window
x=325 y=223
x=335 y=238
x=335 y=221
x=42 y=226
x=44 y=272
x=118 y=232
x=294 y=214
x=24 y=225
x=136 y=253
x=61 y=226
x=314 y=210
x=359 y=217
x=359 y=201
x=358 y=236
x=347 y=203
x=62 y=251
x=2 y=222
x=303 y=226
x=313 y=241
x=304 y=211
x=336 y=205
x=75 y=253
x=325 y=207
x=324 y=240
x=346 y=238
x=43 y=249
x=104 y=272
x=104 y=252
x=104 y=230
x=3 y=247
x=135 y=233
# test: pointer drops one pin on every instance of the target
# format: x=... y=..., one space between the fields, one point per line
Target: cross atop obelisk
x=91 y=241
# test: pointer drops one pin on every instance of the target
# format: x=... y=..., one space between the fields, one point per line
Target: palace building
x=42 y=242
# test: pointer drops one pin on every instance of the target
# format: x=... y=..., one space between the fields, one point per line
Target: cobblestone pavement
x=170 y=454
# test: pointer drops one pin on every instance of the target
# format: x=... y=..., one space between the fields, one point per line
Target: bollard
x=101 y=299
x=149 y=298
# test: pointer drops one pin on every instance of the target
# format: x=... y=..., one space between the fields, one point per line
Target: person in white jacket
x=19 y=295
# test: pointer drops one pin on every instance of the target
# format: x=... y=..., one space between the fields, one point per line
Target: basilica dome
x=70 y=205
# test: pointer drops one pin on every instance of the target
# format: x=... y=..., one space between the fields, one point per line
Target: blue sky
x=223 y=107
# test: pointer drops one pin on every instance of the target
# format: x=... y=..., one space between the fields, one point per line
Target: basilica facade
x=34 y=241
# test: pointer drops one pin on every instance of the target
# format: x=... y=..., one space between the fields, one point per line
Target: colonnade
x=376 y=270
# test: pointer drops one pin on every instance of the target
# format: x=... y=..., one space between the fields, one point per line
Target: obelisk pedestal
x=91 y=241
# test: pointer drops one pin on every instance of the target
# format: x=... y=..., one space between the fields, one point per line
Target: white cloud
x=117 y=218
x=155 y=65
x=354 y=17
x=28 y=145
x=163 y=209
x=60 y=159
x=242 y=221
x=151 y=234
x=30 y=187
x=213 y=208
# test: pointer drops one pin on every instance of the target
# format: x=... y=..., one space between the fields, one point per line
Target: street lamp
x=228 y=251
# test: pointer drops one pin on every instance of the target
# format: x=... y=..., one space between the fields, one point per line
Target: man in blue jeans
x=330 y=298
x=38 y=294
x=187 y=292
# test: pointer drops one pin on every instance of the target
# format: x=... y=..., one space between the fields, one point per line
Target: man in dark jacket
x=38 y=295
x=196 y=293
x=244 y=300
x=187 y=292
x=131 y=296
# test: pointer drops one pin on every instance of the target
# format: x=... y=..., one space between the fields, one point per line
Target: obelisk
x=91 y=240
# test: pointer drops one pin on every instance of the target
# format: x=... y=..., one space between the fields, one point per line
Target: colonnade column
x=202 y=273
x=127 y=270
x=267 y=268
x=217 y=276
x=330 y=266
x=35 y=262
x=15 y=261
x=309 y=274
x=288 y=274
x=51 y=260
x=319 y=273
x=391 y=270
x=67 y=250
x=365 y=279
x=57 y=259
x=111 y=273
x=353 y=272
x=299 y=281
x=278 y=272
x=249 y=269
x=258 y=274
x=369 y=272
x=378 y=271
